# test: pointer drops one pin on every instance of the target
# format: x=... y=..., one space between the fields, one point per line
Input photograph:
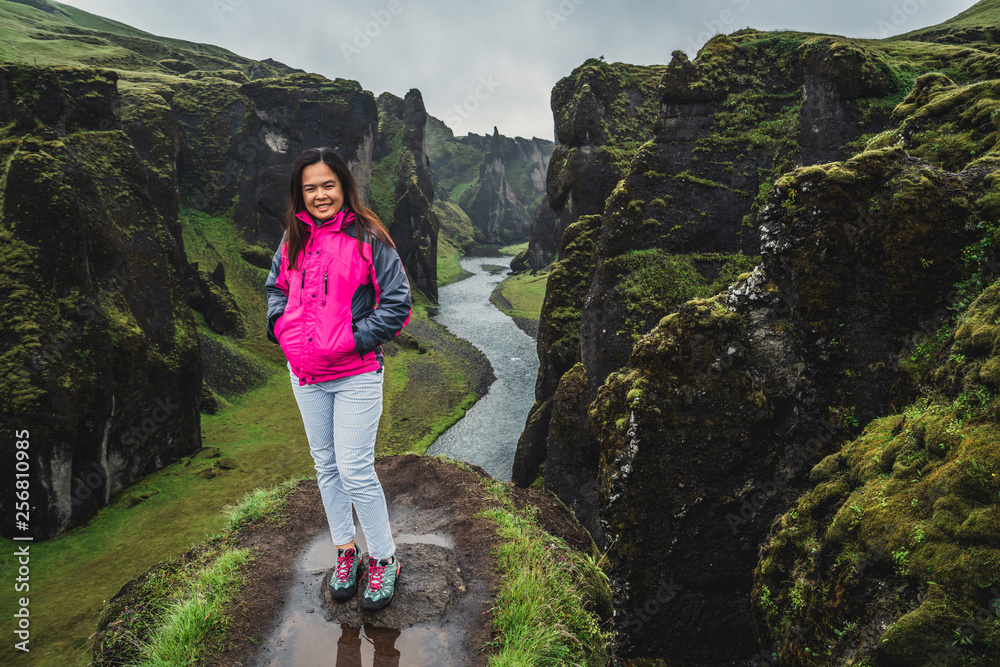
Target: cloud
x=447 y=47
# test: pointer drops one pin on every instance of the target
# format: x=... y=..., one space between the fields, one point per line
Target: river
x=487 y=435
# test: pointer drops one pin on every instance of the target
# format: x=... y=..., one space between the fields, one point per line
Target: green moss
x=385 y=171
x=908 y=513
x=652 y=283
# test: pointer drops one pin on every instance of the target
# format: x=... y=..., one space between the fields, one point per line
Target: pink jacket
x=332 y=313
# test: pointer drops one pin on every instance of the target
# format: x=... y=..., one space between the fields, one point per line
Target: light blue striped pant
x=341 y=419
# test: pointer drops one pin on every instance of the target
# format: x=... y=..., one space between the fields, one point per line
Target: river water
x=487 y=435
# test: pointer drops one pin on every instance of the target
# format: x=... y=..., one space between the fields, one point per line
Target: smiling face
x=321 y=191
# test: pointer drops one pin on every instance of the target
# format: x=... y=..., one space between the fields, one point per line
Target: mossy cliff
x=495 y=181
x=495 y=207
x=694 y=425
x=603 y=112
x=702 y=154
x=414 y=225
x=890 y=557
x=100 y=358
x=724 y=407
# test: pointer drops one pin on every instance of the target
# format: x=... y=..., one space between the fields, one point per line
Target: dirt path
x=428 y=496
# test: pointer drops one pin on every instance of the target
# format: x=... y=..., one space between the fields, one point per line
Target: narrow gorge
x=765 y=426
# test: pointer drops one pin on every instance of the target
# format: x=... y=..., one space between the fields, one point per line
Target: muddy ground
x=437 y=497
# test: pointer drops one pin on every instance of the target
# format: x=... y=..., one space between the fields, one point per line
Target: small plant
x=900 y=556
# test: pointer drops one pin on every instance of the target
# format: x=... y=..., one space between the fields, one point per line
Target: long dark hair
x=297 y=232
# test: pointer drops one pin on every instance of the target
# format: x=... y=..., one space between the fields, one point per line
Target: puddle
x=304 y=636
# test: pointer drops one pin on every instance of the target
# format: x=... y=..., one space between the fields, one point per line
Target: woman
x=336 y=292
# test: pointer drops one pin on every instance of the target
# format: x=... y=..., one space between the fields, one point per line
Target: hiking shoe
x=381 y=578
x=344 y=580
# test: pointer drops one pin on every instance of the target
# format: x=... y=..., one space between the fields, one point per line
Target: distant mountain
x=498 y=182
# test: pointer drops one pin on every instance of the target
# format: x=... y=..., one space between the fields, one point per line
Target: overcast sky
x=480 y=64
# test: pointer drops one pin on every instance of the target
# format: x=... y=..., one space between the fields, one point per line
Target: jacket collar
x=341 y=221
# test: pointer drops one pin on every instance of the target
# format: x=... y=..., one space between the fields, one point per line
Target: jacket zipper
x=303 y=287
x=324 y=287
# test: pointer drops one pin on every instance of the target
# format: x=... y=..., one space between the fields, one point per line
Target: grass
x=177 y=610
x=514 y=249
x=194 y=617
x=448 y=268
x=525 y=293
x=540 y=614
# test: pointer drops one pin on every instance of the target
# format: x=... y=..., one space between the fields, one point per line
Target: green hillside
x=39 y=32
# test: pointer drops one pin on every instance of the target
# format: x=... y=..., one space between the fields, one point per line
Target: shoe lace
x=344 y=563
x=375 y=574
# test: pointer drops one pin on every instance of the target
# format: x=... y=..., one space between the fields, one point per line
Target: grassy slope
x=525 y=292
x=30 y=35
x=982 y=14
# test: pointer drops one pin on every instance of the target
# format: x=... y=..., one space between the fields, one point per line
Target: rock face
x=890 y=555
x=723 y=408
x=414 y=225
x=103 y=358
x=497 y=181
x=496 y=209
x=676 y=428
x=100 y=357
x=592 y=156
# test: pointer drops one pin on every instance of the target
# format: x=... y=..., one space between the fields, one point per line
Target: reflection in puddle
x=382 y=640
x=303 y=636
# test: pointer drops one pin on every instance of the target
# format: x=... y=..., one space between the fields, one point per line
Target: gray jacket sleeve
x=394 y=305
x=277 y=295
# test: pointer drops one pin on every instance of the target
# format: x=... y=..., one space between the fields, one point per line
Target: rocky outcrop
x=497 y=181
x=414 y=225
x=542 y=245
x=591 y=157
x=723 y=408
x=887 y=559
x=100 y=357
x=210 y=297
x=728 y=123
x=495 y=209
